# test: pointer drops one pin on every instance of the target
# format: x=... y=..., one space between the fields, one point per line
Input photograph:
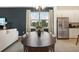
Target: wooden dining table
x=33 y=43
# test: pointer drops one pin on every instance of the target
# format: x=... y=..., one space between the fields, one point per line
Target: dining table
x=33 y=43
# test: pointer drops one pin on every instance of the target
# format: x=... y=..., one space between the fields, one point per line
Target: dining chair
x=52 y=47
x=23 y=41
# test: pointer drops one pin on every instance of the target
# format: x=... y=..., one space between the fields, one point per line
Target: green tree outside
x=42 y=24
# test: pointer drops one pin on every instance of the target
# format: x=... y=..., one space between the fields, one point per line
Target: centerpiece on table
x=39 y=26
x=39 y=30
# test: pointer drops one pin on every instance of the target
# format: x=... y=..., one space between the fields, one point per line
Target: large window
x=43 y=19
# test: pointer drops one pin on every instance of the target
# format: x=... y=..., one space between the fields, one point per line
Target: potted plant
x=39 y=30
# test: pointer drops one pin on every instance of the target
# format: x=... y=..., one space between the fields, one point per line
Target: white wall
x=72 y=13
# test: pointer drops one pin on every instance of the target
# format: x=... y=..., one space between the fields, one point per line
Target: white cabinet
x=7 y=37
x=73 y=32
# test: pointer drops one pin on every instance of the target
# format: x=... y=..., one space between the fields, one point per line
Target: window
x=43 y=18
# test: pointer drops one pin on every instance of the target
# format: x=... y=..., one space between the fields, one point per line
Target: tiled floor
x=61 y=46
x=67 y=46
x=16 y=47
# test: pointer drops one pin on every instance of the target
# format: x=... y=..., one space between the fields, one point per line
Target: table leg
x=25 y=49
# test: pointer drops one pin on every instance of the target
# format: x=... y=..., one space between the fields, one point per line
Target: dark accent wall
x=16 y=18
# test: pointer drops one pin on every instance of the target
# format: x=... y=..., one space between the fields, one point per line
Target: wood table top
x=43 y=41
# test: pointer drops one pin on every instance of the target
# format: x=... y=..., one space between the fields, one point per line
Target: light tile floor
x=61 y=46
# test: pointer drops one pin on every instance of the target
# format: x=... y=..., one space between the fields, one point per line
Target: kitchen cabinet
x=7 y=37
x=73 y=33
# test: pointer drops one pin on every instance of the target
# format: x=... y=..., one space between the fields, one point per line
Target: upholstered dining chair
x=46 y=29
x=23 y=41
x=52 y=48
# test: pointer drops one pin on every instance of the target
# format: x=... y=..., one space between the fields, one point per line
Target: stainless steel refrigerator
x=63 y=27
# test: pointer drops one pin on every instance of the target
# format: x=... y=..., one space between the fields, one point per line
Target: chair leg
x=77 y=40
x=25 y=49
x=52 y=48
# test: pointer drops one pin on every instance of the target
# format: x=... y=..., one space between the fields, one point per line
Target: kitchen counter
x=7 y=37
x=73 y=32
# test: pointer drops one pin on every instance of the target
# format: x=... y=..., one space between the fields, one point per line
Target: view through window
x=35 y=19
